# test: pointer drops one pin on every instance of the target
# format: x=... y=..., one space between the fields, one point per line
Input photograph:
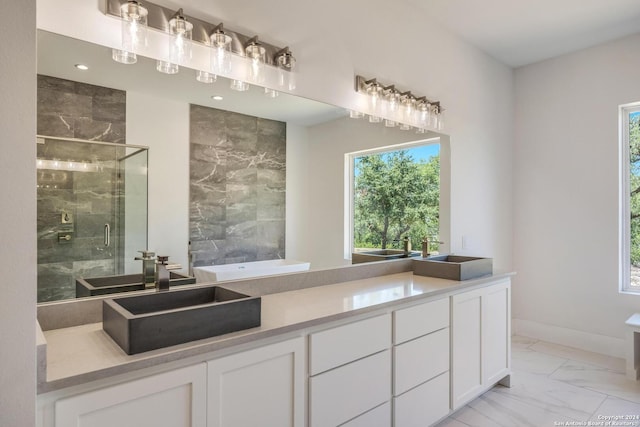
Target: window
x=630 y=198
x=394 y=192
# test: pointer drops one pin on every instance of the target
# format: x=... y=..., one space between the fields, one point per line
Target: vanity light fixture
x=134 y=32
x=256 y=54
x=179 y=44
x=220 y=50
x=399 y=108
x=252 y=56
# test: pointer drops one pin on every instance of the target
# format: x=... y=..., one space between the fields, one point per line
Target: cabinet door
x=171 y=399
x=466 y=370
x=257 y=388
x=496 y=333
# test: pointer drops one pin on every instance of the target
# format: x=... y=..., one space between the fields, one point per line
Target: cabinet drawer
x=377 y=417
x=424 y=405
x=350 y=390
x=412 y=322
x=334 y=347
x=420 y=360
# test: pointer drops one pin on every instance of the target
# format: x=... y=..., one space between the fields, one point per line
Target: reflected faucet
x=162 y=274
x=406 y=245
x=148 y=259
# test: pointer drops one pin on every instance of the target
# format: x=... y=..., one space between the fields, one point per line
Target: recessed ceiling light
x=217 y=98
x=81 y=67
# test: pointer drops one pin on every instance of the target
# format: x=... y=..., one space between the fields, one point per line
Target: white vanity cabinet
x=481 y=340
x=171 y=399
x=421 y=364
x=260 y=387
x=350 y=368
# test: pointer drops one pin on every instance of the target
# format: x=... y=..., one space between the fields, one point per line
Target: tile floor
x=553 y=385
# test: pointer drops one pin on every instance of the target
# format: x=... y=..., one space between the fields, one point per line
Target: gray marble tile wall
x=71 y=109
x=237 y=187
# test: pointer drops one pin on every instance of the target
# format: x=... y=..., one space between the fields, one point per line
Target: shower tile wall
x=237 y=187
x=76 y=110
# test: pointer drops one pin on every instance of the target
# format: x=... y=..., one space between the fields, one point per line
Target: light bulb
x=255 y=52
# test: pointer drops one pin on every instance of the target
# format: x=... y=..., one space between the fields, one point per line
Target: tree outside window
x=396 y=194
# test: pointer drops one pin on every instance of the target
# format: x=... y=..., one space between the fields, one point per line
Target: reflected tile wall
x=76 y=110
x=237 y=187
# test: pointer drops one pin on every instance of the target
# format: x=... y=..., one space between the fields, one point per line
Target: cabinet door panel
x=171 y=399
x=413 y=322
x=257 y=388
x=378 y=417
x=420 y=360
x=343 y=393
x=466 y=347
x=423 y=405
x=496 y=337
x=343 y=344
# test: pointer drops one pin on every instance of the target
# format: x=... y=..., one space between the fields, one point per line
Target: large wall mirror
x=303 y=194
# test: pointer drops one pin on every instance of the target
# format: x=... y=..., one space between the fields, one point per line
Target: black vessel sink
x=123 y=283
x=147 y=322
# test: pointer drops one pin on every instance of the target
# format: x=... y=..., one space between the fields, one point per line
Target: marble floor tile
x=613 y=406
x=598 y=379
x=601 y=360
x=533 y=362
x=521 y=343
x=451 y=422
x=498 y=410
x=551 y=395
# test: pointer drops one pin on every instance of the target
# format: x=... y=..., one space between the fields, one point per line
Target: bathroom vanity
x=384 y=350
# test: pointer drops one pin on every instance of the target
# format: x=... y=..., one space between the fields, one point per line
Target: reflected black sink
x=453 y=267
x=380 y=255
x=123 y=283
x=147 y=322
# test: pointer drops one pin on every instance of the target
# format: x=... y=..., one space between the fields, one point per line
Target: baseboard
x=602 y=344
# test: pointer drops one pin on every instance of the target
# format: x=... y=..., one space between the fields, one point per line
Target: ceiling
x=521 y=32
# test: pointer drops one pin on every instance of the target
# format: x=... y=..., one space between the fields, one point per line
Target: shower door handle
x=107 y=234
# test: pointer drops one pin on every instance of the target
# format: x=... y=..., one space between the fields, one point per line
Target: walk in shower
x=92 y=211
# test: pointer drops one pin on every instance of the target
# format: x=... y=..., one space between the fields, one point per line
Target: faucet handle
x=147 y=254
x=163 y=259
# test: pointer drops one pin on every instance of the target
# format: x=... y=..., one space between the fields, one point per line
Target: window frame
x=624 y=199
x=349 y=159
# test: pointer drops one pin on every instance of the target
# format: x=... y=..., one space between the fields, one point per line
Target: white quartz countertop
x=80 y=354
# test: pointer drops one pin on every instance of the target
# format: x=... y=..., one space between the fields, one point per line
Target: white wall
x=163 y=126
x=297 y=196
x=566 y=194
x=18 y=226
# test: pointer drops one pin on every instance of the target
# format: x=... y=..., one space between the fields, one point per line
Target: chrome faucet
x=148 y=259
x=162 y=274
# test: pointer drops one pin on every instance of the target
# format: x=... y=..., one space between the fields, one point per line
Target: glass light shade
x=167 y=67
x=286 y=60
x=123 y=57
x=404 y=126
x=421 y=130
x=220 y=53
x=179 y=44
x=389 y=123
x=355 y=114
x=134 y=32
x=256 y=54
x=393 y=102
x=270 y=93
x=374 y=119
x=205 y=77
x=239 y=85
